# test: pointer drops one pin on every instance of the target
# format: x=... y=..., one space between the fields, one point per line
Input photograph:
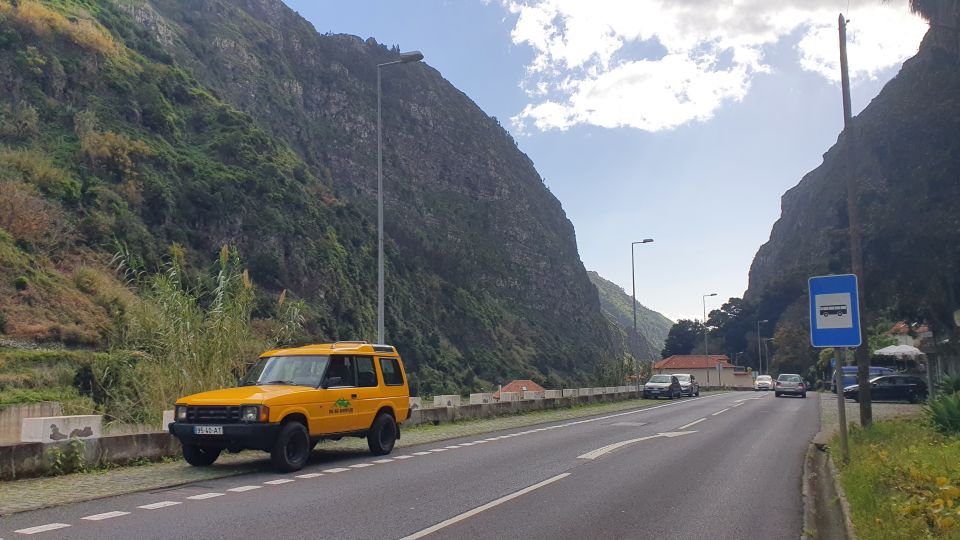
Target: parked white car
x=763 y=382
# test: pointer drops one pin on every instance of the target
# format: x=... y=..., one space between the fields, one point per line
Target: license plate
x=208 y=430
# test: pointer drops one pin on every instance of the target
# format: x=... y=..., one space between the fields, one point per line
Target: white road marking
x=42 y=528
x=361 y=465
x=310 y=475
x=384 y=460
x=161 y=504
x=403 y=457
x=594 y=454
x=279 y=481
x=421 y=453
x=105 y=515
x=489 y=505
x=481 y=441
x=720 y=411
x=492 y=439
x=695 y=422
x=204 y=496
x=439 y=450
x=336 y=470
x=468 y=444
x=452 y=447
x=737 y=405
x=241 y=489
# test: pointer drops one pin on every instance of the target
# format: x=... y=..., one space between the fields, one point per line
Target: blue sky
x=645 y=119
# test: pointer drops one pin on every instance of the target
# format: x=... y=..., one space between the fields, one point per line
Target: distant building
x=705 y=369
x=917 y=335
x=519 y=386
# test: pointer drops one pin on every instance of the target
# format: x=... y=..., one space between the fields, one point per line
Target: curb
x=844 y=504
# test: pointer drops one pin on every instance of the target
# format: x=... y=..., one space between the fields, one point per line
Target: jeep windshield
x=291 y=370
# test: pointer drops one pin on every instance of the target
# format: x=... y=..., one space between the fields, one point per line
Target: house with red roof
x=519 y=386
x=709 y=370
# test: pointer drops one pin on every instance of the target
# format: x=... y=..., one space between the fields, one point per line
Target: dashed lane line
x=43 y=528
x=403 y=457
x=310 y=475
x=384 y=460
x=161 y=504
x=336 y=470
x=241 y=489
x=361 y=465
x=279 y=481
x=203 y=496
x=695 y=422
x=720 y=411
x=105 y=515
x=421 y=453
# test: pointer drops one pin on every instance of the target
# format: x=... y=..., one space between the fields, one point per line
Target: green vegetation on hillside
x=616 y=305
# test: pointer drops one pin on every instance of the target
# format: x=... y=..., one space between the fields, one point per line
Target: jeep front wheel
x=199 y=456
x=382 y=435
x=292 y=448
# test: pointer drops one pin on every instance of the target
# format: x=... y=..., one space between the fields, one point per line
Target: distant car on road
x=688 y=384
x=789 y=383
x=891 y=388
x=662 y=385
x=763 y=382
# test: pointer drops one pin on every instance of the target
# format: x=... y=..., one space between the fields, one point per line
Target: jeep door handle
x=353 y=396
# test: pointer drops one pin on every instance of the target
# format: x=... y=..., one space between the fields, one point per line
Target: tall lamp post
x=706 y=351
x=636 y=337
x=759 y=347
x=407 y=57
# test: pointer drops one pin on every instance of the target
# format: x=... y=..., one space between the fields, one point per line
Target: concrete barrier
x=547 y=394
x=446 y=401
x=570 y=392
x=610 y=390
x=11 y=417
x=167 y=418
x=532 y=394
x=481 y=398
x=58 y=428
x=509 y=396
x=416 y=403
x=28 y=459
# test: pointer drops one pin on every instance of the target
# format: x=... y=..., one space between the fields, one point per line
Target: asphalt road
x=723 y=466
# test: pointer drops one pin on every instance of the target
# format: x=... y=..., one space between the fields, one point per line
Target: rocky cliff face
x=260 y=132
x=905 y=154
x=652 y=327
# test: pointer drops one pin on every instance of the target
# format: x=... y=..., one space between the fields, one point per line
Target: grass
x=902 y=481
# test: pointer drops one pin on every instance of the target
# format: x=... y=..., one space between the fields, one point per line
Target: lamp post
x=407 y=57
x=759 y=347
x=706 y=351
x=633 y=280
x=766 y=351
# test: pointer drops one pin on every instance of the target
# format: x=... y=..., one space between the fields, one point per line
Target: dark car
x=892 y=388
x=789 y=383
x=667 y=386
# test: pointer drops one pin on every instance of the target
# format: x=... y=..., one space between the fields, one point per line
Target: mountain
x=905 y=153
x=166 y=128
x=652 y=327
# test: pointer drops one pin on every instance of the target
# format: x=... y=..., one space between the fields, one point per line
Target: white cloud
x=658 y=64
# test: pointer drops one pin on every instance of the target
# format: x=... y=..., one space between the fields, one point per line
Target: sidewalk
x=35 y=493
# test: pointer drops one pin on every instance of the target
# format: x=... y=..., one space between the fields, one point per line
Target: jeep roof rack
x=334 y=346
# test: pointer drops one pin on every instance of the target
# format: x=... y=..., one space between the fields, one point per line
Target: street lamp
x=407 y=57
x=633 y=279
x=759 y=349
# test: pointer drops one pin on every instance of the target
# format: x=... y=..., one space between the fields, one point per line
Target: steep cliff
x=204 y=123
x=904 y=151
x=652 y=327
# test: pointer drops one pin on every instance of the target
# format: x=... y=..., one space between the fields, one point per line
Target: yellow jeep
x=291 y=399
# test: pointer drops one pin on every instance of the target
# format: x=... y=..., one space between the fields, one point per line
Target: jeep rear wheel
x=292 y=448
x=199 y=456
x=382 y=435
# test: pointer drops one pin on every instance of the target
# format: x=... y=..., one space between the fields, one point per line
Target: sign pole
x=841 y=403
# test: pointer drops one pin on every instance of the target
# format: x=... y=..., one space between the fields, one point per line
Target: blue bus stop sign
x=834 y=311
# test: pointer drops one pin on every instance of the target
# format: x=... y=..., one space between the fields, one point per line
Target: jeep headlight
x=181 y=413
x=254 y=413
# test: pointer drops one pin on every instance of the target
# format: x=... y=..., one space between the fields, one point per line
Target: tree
x=682 y=338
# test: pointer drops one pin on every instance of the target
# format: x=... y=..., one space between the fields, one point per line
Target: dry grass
x=47 y=24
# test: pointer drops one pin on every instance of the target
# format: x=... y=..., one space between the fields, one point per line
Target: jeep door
x=340 y=395
x=368 y=392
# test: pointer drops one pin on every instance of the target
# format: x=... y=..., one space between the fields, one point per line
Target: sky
x=682 y=121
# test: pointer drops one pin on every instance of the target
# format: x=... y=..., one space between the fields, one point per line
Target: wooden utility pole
x=853 y=217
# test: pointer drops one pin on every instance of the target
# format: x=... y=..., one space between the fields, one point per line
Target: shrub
x=112 y=152
x=29 y=218
x=949 y=385
x=45 y=23
x=33 y=167
x=944 y=412
x=21 y=283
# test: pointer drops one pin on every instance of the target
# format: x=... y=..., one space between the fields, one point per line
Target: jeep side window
x=391 y=372
x=342 y=368
x=366 y=374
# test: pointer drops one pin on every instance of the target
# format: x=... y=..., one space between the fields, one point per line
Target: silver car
x=688 y=384
x=763 y=382
x=790 y=383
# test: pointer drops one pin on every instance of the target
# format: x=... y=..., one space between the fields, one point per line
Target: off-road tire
x=776 y=394
x=382 y=435
x=199 y=456
x=292 y=448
